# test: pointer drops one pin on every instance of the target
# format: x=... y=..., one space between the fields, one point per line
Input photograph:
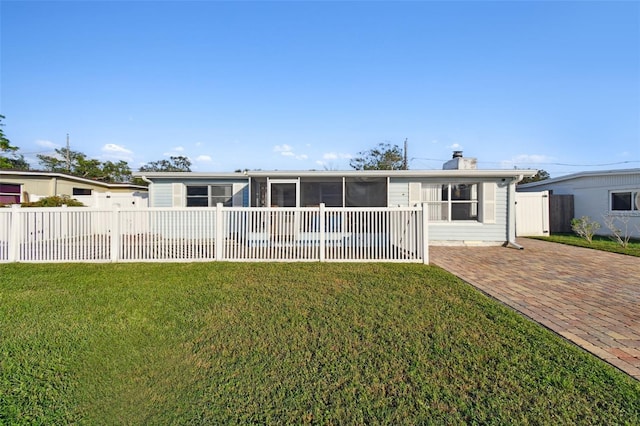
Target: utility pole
x=68 y=156
x=405 y=161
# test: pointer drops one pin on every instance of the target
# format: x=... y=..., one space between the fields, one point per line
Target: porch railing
x=214 y=234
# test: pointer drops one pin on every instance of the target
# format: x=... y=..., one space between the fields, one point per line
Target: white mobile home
x=465 y=205
x=611 y=193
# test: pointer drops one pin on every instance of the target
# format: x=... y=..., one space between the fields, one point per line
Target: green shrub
x=585 y=227
x=55 y=201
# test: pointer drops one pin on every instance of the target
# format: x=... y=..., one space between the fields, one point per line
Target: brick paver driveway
x=590 y=297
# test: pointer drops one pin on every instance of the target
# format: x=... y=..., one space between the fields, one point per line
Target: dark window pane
x=621 y=201
x=9 y=199
x=81 y=191
x=464 y=211
x=8 y=188
x=465 y=192
x=197 y=190
x=198 y=202
x=221 y=190
x=366 y=192
x=314 y=193
x=283 y=195
x=445 y=192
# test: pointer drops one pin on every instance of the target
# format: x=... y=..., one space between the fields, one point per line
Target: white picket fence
x=206 y=234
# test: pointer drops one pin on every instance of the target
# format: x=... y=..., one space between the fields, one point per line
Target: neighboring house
x=465 y=205
x=27 y=186
x=613 y=193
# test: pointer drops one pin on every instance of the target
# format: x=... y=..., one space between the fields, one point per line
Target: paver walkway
x=590 y=297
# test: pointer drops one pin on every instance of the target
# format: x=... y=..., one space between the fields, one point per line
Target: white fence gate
x=204 y=234
x=532 y=214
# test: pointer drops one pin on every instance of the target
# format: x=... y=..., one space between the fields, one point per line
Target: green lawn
x=598 y=243
x=275 y=343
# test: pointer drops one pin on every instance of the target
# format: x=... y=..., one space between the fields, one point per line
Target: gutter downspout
x=512 y=214
x=145 y=179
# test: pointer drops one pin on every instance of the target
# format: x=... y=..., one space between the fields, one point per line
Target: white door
x=283 y=193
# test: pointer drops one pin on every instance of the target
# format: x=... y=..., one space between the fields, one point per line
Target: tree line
x=383 y=156
x=78 y=164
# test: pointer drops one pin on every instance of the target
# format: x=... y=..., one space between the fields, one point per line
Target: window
x=365 y=192
x=313 y=193
x=451 y=201
x=9 y=193
x=209 y=195
x=464 y=201
x=625 y=201
x=81 y=191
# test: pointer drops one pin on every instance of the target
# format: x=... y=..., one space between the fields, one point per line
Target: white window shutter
x=488 y=210
x=415 y=193
x=178 y=195
x=237 y=190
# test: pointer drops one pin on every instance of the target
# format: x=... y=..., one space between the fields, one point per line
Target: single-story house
x=465 y=205
x=17 y=186
x=598 y=194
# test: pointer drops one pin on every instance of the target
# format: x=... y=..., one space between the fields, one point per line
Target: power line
x=541 y=163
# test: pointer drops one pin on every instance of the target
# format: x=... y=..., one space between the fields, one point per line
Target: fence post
x=115 y=234
x=425 y=233
x=321 y=222
x=219 y=232
x=14 y=234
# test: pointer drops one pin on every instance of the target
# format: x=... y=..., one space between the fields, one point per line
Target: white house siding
x=399 y=193
x=461 y=232
x=161 y=194
x=165 y=193
x=592 y=194
x=475 y=232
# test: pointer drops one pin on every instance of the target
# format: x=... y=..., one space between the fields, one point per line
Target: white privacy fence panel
x=163 y=235
x=206 y=234
x=51 y=235
x=532 y=214
x=5 y=234
x=325 y=234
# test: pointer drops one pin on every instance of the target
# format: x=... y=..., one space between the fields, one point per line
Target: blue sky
x=307 y=85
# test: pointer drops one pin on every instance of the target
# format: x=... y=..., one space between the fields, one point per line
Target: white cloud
x=455 y=146
x=282 y=148
x=287 y=151
x=330 y=156
x=117 y=152
x=113 y=148
x=178 y=149
x=335 y=156
x=46 y=144
x=203 y=158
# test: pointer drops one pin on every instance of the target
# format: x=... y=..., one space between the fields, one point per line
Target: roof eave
x=73 y=178
x=512 y=174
